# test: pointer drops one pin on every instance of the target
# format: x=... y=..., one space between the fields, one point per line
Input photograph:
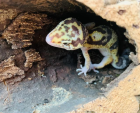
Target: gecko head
x=69 y=34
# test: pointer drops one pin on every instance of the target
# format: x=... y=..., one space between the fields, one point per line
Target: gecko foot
x=92 y=67
x=82 y=70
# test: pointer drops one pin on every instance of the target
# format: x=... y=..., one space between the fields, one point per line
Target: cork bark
x=31 y=56
x=121 y=95
x=20 y=32
x=8 y=69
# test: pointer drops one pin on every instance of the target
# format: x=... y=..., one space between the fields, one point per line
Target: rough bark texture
x=19 y=33
x=50 y=6
x=121 y=93
x=9 y=70
x=31 y=56
x=6 y=16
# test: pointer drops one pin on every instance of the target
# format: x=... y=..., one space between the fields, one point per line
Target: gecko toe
x=77 y=70
x=80 y=73
x=85 y=73
x=96 y=71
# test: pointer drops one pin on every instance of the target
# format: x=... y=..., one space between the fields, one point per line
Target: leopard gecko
x=71 y=34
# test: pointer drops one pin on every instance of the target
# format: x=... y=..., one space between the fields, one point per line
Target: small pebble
x=36 y=111
x=46 y=101
x=106 y=80
x=29 y=78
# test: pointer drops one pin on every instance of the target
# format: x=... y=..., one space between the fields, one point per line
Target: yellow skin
x=71 y=34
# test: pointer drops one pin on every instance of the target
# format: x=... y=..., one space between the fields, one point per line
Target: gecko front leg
x=87 y=66
x=87 y=62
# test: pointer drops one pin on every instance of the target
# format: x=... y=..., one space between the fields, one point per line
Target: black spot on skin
x=98 y=29
x=72 y=20
x=89 y=40
x=72 y=35
x=114 y=46
x=79 y=23
x=108 y=39
x=66 y=28
x=75 y=43
x=62 y=33
x=75 y=29
x=120 y=12
x=59 y=28
x=109 y=31
x=85 y=33
x=57 y=35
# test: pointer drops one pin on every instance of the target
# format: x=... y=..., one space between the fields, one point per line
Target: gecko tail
x=123 y=60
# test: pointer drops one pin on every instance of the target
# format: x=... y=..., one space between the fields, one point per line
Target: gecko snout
x=48 y=39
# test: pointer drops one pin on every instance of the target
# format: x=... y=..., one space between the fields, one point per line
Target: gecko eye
x=65 y=43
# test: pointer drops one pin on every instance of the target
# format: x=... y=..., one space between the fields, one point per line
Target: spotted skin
x=71 y=34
